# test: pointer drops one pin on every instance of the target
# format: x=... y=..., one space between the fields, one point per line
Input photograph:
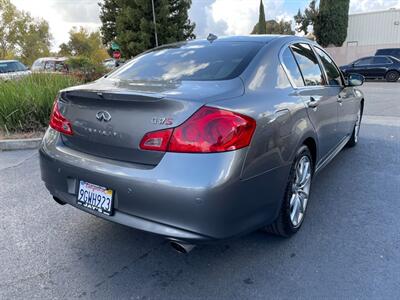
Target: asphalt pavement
x=348 y=247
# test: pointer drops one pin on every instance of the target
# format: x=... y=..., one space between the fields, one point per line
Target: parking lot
x=349 y=245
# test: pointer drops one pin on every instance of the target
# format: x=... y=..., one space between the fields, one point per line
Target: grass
x=25 y=104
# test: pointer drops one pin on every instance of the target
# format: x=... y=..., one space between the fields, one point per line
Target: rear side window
x=332 y=71
x=292 y=68
x=191 y=61
x=308 y=64
x=381 y=60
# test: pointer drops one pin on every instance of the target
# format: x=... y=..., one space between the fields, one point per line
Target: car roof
x=53 y=58
x=387 y=49
x=261 y=38
x=371 y=56
x=249 y=38
x=8 y=60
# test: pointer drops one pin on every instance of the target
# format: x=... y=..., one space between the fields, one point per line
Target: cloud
x=241 y=15
x=62 y=15
x=221 y=17
x=232 y=17
x=358 y=6
x=201 y=14
x=77 y=11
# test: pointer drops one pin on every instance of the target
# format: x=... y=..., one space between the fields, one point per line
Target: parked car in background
x=395 y=52
x=112 y=63
x=12 y=69
x=375 y=67
x=203 y=140
x=50 y=64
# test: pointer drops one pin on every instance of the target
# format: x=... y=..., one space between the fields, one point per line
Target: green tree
x=22 y=36
x=108 y=17
x=331 y=25
x=261 y=26
x=35 y=41
x=8 y=28
x=130 y=23
x=309 y=17
x=85 y=44
x=64 y=50
x=275 y=27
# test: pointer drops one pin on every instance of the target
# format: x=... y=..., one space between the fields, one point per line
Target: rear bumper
x=191 y=197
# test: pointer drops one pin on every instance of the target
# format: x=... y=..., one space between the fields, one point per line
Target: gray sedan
x=203 y=140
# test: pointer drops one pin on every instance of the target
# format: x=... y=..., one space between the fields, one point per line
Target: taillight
x=59 y=122
x=156 y=140
x=208 y=130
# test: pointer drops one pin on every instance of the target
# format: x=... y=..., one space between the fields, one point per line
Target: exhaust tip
x=181 y=247
x=59 y=201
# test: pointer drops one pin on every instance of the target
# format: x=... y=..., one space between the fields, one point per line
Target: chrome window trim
x=326 y=74
x=280 y=56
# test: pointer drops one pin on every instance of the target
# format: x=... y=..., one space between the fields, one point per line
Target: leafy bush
x=85 y=69
x=25 y=104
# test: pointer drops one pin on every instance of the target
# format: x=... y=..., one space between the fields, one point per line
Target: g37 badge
x=162 y=121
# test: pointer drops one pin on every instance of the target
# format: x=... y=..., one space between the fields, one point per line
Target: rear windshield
x=191 y=61
x=394 y=52
x=13 y=66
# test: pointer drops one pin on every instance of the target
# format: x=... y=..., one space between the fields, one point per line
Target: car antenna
x=211 y=37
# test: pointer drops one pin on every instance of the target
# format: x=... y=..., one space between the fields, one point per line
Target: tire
x=353 y=141
x=392 y=76
x=287 y=224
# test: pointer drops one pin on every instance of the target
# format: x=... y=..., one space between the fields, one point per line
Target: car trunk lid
x=109 y=118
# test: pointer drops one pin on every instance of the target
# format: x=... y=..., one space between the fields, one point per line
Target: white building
x=374 y=28
x=368 y=32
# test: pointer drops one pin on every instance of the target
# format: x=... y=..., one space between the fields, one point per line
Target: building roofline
x=376 y=12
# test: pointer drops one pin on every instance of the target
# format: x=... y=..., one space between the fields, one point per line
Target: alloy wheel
x=300 y=190
x=357 y=126
x=392 y=76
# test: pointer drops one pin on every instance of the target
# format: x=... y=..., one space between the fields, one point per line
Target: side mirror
x=355 y=79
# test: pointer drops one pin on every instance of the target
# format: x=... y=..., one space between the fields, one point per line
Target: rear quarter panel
x=282 y=121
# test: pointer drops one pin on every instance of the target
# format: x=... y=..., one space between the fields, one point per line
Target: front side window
x=332 y=71
x=191 y=61
x=292 y=68
x=37 y=64
x=13 y=66
x=364 y=61
x=308 y=64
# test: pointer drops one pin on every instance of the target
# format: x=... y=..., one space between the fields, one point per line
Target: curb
x=20 y=144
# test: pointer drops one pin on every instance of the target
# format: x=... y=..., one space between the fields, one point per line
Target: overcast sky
x=216 y=16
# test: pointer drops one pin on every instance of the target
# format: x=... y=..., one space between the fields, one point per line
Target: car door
x=362 y=66
x=344 y=95
x=379 y=66
x=321 y=101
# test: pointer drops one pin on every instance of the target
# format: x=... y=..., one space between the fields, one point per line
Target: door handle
x=312 y=103
x=339 y=99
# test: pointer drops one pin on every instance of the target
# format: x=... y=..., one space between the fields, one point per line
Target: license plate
x=95 y=197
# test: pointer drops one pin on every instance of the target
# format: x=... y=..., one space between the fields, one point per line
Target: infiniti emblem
x=103 y=115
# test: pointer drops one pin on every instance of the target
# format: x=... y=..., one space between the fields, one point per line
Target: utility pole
x=154 y=21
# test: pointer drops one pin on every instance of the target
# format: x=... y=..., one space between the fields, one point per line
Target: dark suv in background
x=375 y=67
x=389 y=51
